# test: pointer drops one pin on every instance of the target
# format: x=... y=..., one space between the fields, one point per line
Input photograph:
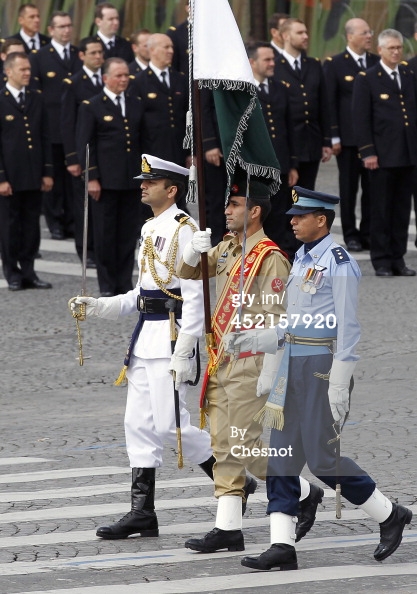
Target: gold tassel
x=270 y=417
x=179 y=446
x=122 y=379
x=203 y=417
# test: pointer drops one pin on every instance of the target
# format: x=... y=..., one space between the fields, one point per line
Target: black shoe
x=217 y=539
x=57 y=234
x=308 y=510
x=249 y=488
x=403 y=271
x=383 y=272
x=15 y=286
x=38 y=256
x=391 y=531
x=135 y=522
x=90 y=263
x=36 y=283
x=282 y=556
x=106 y=294
x=353 y=245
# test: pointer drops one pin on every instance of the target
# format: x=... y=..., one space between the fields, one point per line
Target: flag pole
x=210 y=341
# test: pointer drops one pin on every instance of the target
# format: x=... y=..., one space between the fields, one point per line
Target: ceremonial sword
x=79 y=312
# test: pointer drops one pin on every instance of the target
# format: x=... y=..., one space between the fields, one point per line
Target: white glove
x=199 y=244
x=180 y=363
x=269 y=370
x=103 y=307
x=339 y=381
x=257 y=341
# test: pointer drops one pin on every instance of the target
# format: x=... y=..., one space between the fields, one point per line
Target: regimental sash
x=224 y=311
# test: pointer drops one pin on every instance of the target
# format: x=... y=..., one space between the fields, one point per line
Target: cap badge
x=146 y=168
x=294 y=196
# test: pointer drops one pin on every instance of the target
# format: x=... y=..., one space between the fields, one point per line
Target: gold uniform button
x=30 y=147
x=273 y=135
x=269 y=113
x=29 y=140
x=126 y=127
x=305 y=102
x=127 y=135
x=25 y=117
x=27 y=125
x=27 y=131
x=125 y=120
x=127 y=141
x=406 y=124
x=307 y=122
x=306 y=113
x=301 y=86
x=172 y=125
x=272 y=127
x=128 y=150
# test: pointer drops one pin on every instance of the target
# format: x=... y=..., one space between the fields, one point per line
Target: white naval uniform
x=150 y=415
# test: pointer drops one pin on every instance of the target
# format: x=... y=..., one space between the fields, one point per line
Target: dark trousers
x=78 y=211
x=308 y=426
x=307 y=174
x=215 y=184
x=351 y=171
x=116 y=222
x=391 y=190
x=20 y=234
x=277 y=224
x=58 y=203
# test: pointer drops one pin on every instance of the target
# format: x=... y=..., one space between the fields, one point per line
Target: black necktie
x=164 y=79
x=96 y=81
x=110 y=45
x=21 y=101
x=297 y=68
x=33 y=43
x=263 y=88
x=395 y=78
x=361 y=64
x=119 y=104
x=66 y=57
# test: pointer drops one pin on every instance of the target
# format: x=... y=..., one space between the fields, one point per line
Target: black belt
x=159 y=305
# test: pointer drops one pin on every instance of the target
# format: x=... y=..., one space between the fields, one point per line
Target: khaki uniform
x=231 y=393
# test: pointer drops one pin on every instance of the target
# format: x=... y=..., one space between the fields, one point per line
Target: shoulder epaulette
x=132 y=76
x=68 y=81
x=404 y=63
x=150 y=219
x=362 y=73
x=317 y=59
x=38 y=90
x=86 y=102
x=181 y=218
x=340 y=255
x=329 y=58
x=173 y=28
x=287 y=84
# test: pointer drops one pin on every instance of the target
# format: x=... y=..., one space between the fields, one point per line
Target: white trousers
x=150 y=416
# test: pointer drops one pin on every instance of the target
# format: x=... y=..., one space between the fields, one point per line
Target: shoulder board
x=286 y=84
x=173 y=28
x=86 y=102
x=329 y=58
x=404 y=63
x=68 y=81
x=38 y=91
x=317 y=59
x=181 y=218
x=340 y=255
x=132 y=76
x=150 y=219
x=362 y=73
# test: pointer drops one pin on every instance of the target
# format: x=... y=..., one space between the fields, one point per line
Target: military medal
x=312 y=279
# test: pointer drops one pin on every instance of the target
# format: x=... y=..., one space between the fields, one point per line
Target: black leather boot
x=308 y=510
x=282 y=556
x=249 y=488
x=142 y=517
x=217 y=539
x=207 y=466
x=391 y=531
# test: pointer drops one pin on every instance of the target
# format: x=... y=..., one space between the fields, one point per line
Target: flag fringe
x=235 y=155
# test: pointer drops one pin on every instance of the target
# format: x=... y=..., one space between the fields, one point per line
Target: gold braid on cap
x=150 y=252
x=294 y=196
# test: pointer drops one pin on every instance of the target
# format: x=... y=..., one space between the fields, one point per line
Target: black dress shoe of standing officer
x=217 y=539
x=391 y=531
x=404 y=271
x=308 y=510
x=353 y=245
x=249 y=489
x=57 y=234
x=383 y=272
x=36 y=283
x=282 y=556
x=15 y=286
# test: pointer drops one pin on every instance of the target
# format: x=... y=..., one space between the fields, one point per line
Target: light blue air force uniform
x=322 y=292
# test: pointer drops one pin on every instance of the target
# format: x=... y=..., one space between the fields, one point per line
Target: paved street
x=64 y=469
